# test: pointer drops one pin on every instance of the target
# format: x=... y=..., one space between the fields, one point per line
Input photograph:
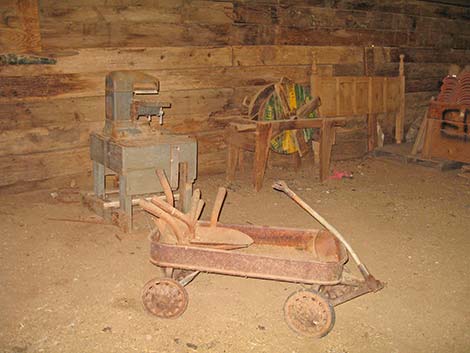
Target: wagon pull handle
x=282 y=186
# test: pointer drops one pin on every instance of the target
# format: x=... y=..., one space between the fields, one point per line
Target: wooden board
x=295 y=55
x=349 y=95
x=19 y=31
x=66 y=111
x=42 y=87
x=87 y=60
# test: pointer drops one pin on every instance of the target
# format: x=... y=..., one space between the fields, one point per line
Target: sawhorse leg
x=262 y=144
x=232 y=161
x=326 y=143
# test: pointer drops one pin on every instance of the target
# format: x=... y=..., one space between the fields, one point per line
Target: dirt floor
x=75 y=287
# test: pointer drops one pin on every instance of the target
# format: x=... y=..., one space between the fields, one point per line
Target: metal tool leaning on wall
x=132 y=145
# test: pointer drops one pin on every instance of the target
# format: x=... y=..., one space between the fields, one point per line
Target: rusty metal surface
x=322 y=243
x=267 y=235
x=165 y=298
x=246 y=265
x=308 y=313
x=349 y=292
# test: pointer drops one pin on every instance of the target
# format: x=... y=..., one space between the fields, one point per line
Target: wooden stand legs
x=262 y=148
x=327 y=135
x=232 y=161
x=258 y=140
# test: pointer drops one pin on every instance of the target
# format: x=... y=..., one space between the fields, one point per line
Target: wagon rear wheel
x=309 y=314
x=165 y=298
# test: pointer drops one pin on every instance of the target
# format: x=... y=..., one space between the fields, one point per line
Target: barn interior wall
x=208 y=55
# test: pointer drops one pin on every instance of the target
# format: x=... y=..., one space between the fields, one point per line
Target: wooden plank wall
x=208 y=56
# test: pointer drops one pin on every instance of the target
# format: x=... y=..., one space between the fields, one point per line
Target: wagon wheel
x=308 y=313
x=165 y=298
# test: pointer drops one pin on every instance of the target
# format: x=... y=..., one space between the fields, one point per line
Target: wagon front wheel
x=165 y=298
x=309 y=314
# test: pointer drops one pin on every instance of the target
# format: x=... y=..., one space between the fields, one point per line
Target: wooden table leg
x=232 y=161
x=326 y=142
x=263 y=141
x=99 y=179
x=125 y=205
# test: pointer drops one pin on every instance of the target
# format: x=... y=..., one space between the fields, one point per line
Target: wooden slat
x=49 y=113
x=113 y=59
x=57 y=12
x=343 y=37
x=362 y=95
x=74 y=3
x=431 y=55
x=151 y=33
x=327 y=93
x=377 y=94
x=294 y=55
x=36 y=167
x=41 y=166
x=72 y=111
x=194 y=11
x=393 y=95
x=33 y=88
x=346 y=97
x=46 y=139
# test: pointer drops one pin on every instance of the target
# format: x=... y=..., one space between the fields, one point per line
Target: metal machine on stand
x=132 y=146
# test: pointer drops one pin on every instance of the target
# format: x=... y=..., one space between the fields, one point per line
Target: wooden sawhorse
x=255 y=136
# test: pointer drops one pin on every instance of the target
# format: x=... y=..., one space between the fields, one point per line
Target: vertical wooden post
x=371 y=119
x=400 y=119
x=338 y=100
x=369 y=70
x=354 y=96
x=314 y=76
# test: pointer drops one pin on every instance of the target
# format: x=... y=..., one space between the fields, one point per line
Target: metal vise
x=124 y=108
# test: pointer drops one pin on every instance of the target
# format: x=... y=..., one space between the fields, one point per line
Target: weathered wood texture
x=19 y=26
x=208 y=56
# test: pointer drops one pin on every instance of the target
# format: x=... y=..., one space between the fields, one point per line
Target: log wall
x=208 y=56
